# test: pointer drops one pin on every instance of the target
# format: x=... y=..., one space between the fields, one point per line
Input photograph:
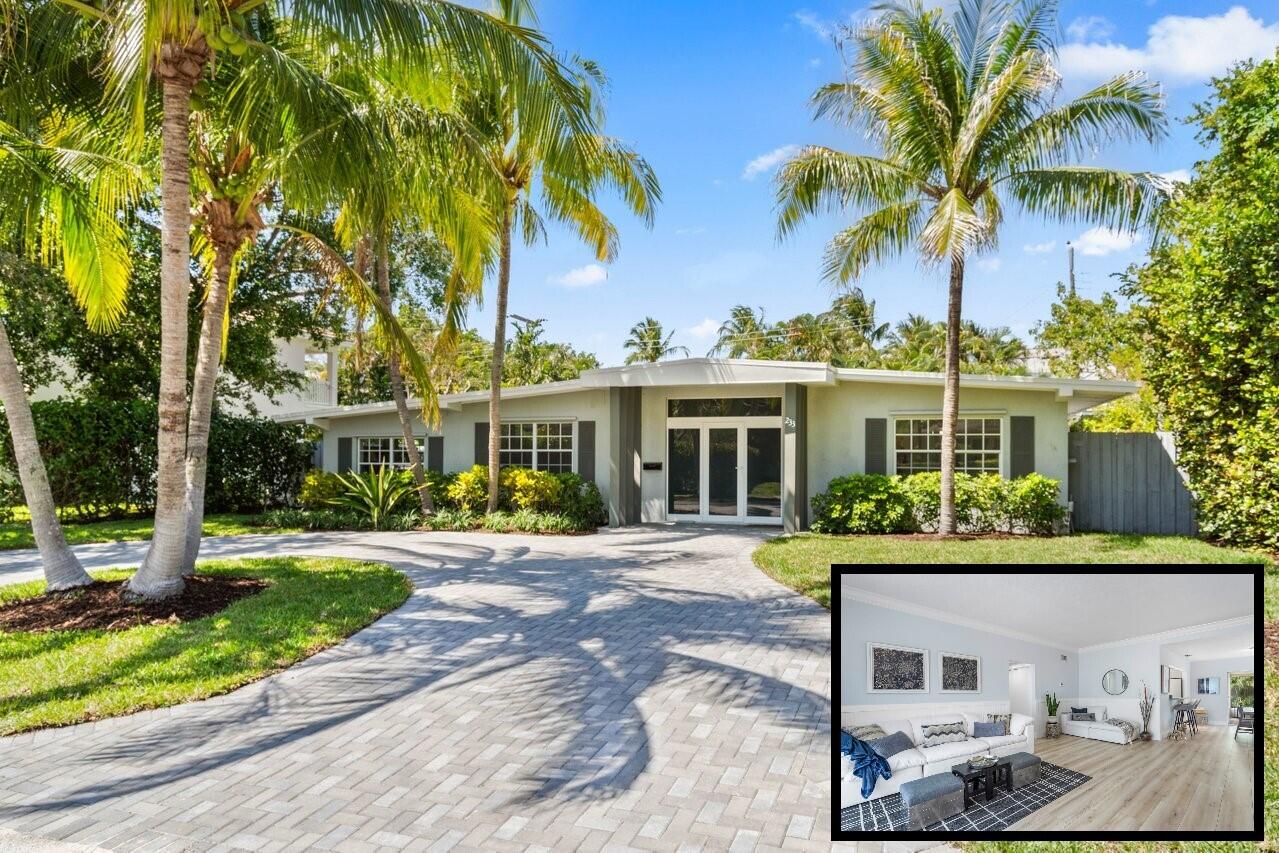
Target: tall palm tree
x=743 y=335
x=62 y=188
x=647 y=343
x=564 y=167
x=173 y=42
x=962 y=107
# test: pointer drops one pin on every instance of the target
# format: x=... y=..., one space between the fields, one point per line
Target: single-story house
x=730 y=440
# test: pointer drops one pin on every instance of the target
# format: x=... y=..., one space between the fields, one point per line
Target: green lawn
x=62 y=677
x=803 y=561
x=18 y=534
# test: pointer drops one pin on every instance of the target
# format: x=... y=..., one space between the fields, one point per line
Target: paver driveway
x=644 y=688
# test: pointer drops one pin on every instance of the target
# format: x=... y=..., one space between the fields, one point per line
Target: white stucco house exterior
x=730 y=440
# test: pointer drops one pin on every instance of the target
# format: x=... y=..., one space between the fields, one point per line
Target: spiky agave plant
x=376 y=495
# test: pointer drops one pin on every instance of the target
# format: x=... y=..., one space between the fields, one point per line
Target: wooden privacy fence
x=1128 y=482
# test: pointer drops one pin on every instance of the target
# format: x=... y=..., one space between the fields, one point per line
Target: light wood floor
x=1203 y=783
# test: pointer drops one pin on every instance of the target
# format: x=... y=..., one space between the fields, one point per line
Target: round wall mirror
x=1114 y=682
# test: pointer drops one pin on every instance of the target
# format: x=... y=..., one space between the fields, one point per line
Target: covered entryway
x=724 y=470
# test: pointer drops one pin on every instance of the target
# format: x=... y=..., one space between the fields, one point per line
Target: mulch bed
x=1271 y=634
x=101 y=606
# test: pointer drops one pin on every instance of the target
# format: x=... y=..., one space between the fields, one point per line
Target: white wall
x=1217 y=705
x=1140 y=661
x=1022 y=696
x=861 y=623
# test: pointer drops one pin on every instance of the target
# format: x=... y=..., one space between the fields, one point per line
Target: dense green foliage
x=63 y=677
x=17 y=534
x=100 y=456
x=377 y=496
x=1208 y=310
x=875 y=503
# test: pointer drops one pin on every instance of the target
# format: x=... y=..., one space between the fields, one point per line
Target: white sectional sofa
x=919 y=762
x=1099 y=730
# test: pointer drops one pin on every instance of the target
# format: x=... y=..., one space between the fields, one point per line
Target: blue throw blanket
x=868 y=765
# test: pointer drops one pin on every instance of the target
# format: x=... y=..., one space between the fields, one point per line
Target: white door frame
x=704 y=426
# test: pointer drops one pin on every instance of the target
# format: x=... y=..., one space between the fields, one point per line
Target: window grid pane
x=375 y=453
x=541 y=446
x=917 y=444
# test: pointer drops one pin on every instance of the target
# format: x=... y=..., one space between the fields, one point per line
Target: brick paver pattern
x=645 y=688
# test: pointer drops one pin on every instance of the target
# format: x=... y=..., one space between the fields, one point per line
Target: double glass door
x=724 y=471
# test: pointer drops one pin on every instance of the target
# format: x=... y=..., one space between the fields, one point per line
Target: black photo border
x=838 y=570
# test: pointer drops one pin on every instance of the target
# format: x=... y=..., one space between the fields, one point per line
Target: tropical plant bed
x=103 y=606
x=55 y=677
x=18 y=534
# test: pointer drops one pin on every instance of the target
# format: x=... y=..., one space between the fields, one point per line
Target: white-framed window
x=373 y=453
x=540 y=445
x=978 y=444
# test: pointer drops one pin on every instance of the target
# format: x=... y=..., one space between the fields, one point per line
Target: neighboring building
x=730 y=440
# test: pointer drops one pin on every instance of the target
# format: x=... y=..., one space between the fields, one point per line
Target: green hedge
x=874 y=503
x=101 y=458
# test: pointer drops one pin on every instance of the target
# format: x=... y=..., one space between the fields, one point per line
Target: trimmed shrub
x=979 y=501
x=319 y=489
x=526 y=489
x=101 y=455
x=581 y=501
x=863 y=503
x=470 y=489
x=336 y=519
x=1031 y=505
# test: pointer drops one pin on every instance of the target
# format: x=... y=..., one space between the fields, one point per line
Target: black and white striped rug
x=887 y=814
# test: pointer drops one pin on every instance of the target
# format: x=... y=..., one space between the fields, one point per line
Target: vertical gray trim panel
x=876 y=445
x=435 y=453
x=794 y=457
x=624 y=456
x=1021 y=446
x=482 y=443
x=344 y=455
x=586 y=450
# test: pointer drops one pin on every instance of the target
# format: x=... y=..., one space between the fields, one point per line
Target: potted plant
x=1050 y=699
x=1147 y=704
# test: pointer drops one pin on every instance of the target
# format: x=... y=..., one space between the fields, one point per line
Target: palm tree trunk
x=61 y=568
x=160 y=575
x=203 y=387
x=397 y=388
x=947 y=523
x=499 y=347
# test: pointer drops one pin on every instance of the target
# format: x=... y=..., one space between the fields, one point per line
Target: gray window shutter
x=435 y=453
x=877 y=445
x=482 y=443
x=586 y=450
x=344 y=455
x=1021 y=445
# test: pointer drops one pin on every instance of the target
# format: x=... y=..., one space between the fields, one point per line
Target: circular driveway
x=643 y=688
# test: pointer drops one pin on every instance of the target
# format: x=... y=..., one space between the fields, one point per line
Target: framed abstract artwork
x=959 y=673
x=1209 y=685
x=896 y=669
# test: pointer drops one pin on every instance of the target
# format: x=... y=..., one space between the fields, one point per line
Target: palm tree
x=647 y=344
x=173 y=42
x=566 y=166
x=62 y=188
x=744 y=334
x=962 y=108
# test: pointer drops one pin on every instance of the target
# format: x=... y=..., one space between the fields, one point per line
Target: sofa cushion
x=1017 y=723
x=1003 y=719
x=1002 y=740
x=867 y=732
x=906 y=758
x=939 y=733
x=953 y=751
x=916 y=730
x=892 y=744
x=983 y=730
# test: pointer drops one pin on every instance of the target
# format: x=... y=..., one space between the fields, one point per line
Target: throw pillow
x=1004 y=720
x=871 y=732
x=988 y=729
x=1075 y=710
x=890 y=745
x=1084 y=718
x=845 y=742
x=942 y=733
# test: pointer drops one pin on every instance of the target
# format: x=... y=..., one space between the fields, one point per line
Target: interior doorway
x=1021 y=690
x=1241 y=689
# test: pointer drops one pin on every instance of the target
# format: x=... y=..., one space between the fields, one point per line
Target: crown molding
x=877 y=600
x=1187 y=633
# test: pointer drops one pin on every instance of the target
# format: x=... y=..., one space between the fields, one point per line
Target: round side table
x=1052 y=729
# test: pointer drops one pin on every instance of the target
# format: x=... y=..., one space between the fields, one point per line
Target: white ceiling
x=1071 y=610
x=1227 y=644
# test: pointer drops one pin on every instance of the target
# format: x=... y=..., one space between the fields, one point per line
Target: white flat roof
x=1080 y=394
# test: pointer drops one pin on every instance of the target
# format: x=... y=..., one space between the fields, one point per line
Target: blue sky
x=714 y=93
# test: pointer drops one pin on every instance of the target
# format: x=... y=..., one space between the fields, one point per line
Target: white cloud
x=1091 y=27
x=812 y=23
x=814 y=62
x=583 y=276
x=989 y=264
x=1104 y=241
x=768 y=162
x=1178 y=48
x=704 y=329
x=1180 y=176
x=1040 y=248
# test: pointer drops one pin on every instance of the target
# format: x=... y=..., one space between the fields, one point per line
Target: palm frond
x=1122 y=201
x=821 y=179
x=875 y=238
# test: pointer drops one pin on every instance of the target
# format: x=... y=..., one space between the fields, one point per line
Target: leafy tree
x=745 y=334
x=961 y=107
x=531 y=361
x=1207 y=307
x=648 y=342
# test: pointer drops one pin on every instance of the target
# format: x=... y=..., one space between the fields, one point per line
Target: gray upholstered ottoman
x=931 y=799
x=1025 y=769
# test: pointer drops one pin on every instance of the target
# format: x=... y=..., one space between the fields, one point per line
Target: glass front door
x=718 y=471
